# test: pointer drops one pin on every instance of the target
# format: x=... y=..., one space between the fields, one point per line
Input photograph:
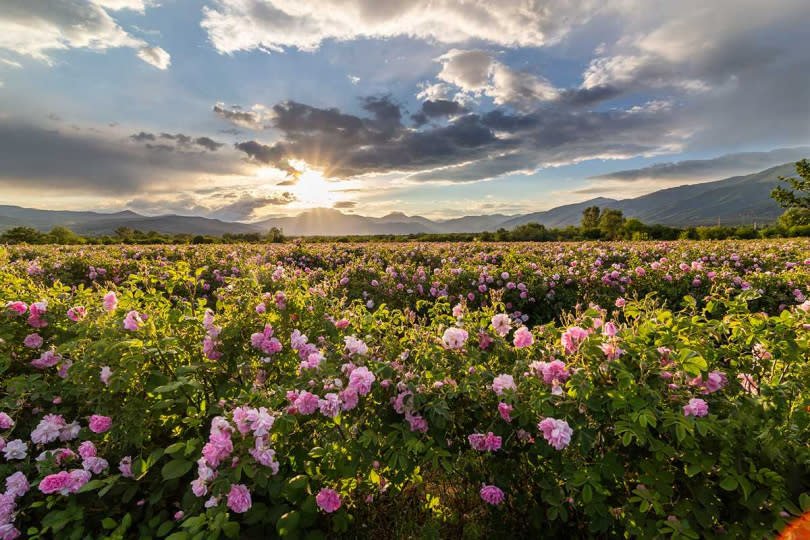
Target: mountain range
x=732 y=201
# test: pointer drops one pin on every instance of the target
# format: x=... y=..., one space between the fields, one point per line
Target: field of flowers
x=608 y=390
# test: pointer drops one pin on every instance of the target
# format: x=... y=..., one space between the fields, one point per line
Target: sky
x=246 y=109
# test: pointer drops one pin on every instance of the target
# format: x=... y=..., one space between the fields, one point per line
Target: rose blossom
x=328 y=500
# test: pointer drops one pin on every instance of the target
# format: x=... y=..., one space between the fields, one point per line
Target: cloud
x=10 y=63
x=143 y=136
x=436 y=109
x=477 y=72
x=714 y=168
x=115 y=5
x=155 y=56
x=36 y=27
x=77 y=163
x=208 y=144
x=253 y=119
x=273 y=25
x=247 y=206
x=179 y=140
x=468 y=147
x=345 y=204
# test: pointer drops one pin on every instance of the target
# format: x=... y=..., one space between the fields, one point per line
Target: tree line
x=596 y=224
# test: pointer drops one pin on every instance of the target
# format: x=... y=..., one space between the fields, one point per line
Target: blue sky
x=242 y=109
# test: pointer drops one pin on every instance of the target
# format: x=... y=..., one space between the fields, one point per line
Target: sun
x=312 y=189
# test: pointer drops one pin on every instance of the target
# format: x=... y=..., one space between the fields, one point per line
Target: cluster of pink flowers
x=523 y=338
x=611 y=349
x=265 y=342
x=33 y=341
x=505 y=410
x=52 y=427
x=715 y=381
x=503 y=382
x=502 y=324
x=355 y=346
x=47 y=359
x=556 y=432
x=485 y=443
x=37 y=311
x=572 y=339
x=211 y=341
x=491 y=494
x=76 y=313
x=17 y=307
x=133 y=321
x=454 y=338
x=696 y=407
x=403 y=405
x=64 y=482
x=328 y=500
x=553 y=373
x=110 y=302
x=100 y=423
x=239 y=498
x=16 y=486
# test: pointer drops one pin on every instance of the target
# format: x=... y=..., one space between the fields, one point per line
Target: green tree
x=799 y=195
x=21 y=235
x=590 y=217
x=795 y=216
x=275 y=235
x=63 y=235
x=610 y=223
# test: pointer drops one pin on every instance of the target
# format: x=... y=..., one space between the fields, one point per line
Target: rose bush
x=447 y=391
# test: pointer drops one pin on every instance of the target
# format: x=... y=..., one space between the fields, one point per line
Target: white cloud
x=35 y=28
x=239 y=25
x=353 y=79
x=115 y=5
x=155 y=56
x=10 y=63
x=478 y=73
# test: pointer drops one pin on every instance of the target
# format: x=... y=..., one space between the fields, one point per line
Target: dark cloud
x=246 y=206
x=698 y=169
x=436 y=109
x=98 y=164
x=583 y=97
x=181 y=142
x=208 y=143
x=247 y=119
x=468 y=147
x=345 y=204
x=143 y=136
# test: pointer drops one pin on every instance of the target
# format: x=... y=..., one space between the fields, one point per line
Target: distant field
x=482 y=390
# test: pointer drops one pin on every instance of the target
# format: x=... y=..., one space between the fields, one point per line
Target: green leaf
x=729 y=483
x=288 y=523
x=231 y=529
x=108 y=523
x=176 y=447
x=176 y=468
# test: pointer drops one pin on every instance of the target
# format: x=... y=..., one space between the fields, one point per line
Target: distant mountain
x=733 y=201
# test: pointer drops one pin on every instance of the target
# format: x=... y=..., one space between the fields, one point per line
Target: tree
x=794 y=217
x=21 y=235
x=799 y=196
x=590 y=217
x=63 y=235
x=610 y=223
x=124 y=233
x=275 y=235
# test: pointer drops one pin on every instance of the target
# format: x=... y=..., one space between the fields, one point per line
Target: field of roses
x=568 y=390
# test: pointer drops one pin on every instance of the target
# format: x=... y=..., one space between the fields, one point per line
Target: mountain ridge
x=736 y=200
